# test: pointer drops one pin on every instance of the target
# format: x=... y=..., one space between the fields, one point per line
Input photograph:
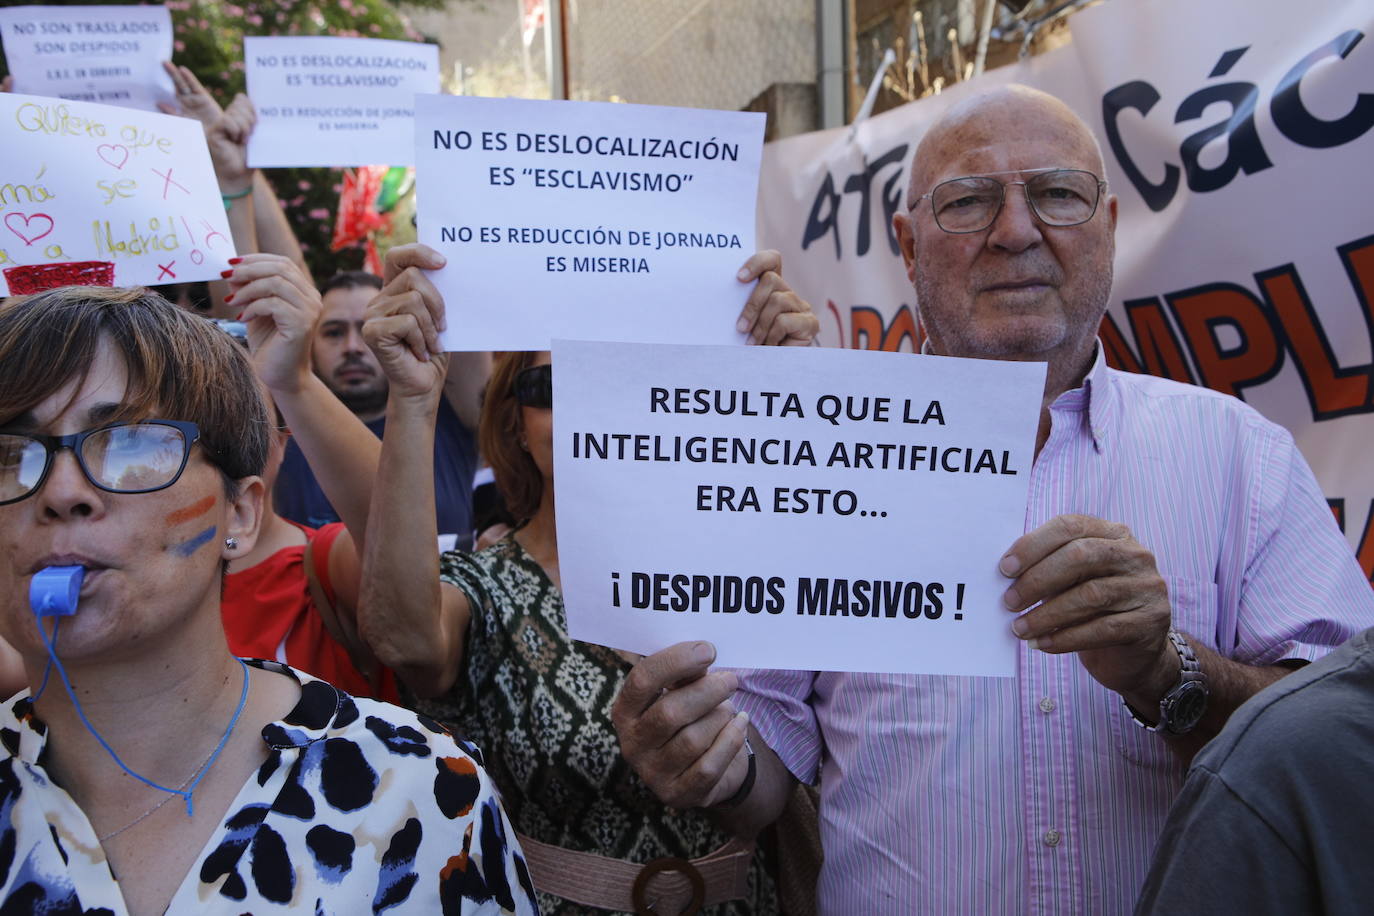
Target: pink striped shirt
x=1038 y=794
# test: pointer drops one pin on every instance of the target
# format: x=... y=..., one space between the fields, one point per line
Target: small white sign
x=816 y=509
x=336 y=101
x=107 y=54
x=105 y=196
x=586 y=220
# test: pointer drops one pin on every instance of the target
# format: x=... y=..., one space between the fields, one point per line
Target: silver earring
x=231 y=543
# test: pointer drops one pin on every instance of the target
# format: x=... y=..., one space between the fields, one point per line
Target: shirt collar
x=321 y=709
x=1093 y=397
x=22 y=733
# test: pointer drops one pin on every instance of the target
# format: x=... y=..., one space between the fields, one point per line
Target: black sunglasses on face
x=136 y=456
x=534 y=386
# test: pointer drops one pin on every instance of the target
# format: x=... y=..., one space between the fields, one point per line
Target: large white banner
x=1238 y=137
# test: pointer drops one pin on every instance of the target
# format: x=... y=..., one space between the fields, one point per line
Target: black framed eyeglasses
x=534 y=386
x=1058 y=197
x=135 y=456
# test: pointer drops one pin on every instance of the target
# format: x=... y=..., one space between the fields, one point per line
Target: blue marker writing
x=186 y=548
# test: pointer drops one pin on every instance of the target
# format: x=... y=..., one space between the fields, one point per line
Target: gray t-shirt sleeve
x=1217 y=854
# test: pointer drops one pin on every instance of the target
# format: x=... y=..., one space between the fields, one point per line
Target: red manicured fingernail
x=229 y=298
x=236 y=260
x=239 y=316
x=226 y=274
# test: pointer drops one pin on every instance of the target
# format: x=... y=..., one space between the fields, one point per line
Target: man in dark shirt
x=342 y=360
x=1276 y=816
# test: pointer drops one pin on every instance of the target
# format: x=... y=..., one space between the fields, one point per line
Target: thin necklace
x=142 y=817
x=196 y=776
x=190 y=788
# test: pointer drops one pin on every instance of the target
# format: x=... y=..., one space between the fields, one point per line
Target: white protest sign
x=106 y=196
x=336 y=101
x=800 y=508
x=107 y=54
x=586 y=220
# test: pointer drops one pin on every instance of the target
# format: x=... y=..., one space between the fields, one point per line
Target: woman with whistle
x=148 y=770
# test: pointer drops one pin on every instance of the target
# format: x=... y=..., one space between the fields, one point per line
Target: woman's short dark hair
x=180 y=366
x=499 y=436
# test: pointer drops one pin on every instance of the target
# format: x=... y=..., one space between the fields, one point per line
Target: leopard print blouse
x=360 y=807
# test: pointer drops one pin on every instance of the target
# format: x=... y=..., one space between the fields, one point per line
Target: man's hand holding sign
x=1093 y=589
x=685 y=740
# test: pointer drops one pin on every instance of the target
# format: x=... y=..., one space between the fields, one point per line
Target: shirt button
x=1052 y=838
x=1046 y=705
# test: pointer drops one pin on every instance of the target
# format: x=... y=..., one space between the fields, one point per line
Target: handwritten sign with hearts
x=29 y=228
x=129 y=191
x=115 y=154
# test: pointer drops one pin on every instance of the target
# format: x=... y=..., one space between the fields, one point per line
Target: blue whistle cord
x=54 y=661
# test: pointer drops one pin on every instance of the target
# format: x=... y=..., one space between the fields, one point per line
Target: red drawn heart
x=110 y=151
x=13 y=218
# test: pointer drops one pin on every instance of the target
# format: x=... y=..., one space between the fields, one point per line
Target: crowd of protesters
x=296 y=488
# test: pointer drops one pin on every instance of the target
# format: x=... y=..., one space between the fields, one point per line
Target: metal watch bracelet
x=1183 y=706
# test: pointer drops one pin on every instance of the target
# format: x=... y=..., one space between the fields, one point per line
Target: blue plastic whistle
x=53 y=590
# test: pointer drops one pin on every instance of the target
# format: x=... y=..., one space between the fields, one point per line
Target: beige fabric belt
x=664 y=886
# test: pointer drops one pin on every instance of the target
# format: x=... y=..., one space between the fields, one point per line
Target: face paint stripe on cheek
x=194 y=510
x=186 y=548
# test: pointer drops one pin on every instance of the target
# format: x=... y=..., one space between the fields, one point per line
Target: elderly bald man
x=1179 y=556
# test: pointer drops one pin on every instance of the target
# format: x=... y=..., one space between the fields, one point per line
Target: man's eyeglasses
x=1059 y=197
x=534 y=386
x=138 y=456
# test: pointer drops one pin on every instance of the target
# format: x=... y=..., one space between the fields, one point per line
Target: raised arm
x=226 y=136
x=414 y=624
x=281 y=307
x=273 y=231
x=275 y=235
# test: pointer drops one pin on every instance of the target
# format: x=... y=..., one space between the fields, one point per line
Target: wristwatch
x=1182 y=708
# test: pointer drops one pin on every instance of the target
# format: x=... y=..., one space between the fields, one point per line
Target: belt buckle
x=658 y=866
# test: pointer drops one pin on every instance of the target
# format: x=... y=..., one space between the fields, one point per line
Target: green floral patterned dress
x=538 y=704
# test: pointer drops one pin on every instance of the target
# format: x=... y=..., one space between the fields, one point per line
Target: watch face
x=1186 y=708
